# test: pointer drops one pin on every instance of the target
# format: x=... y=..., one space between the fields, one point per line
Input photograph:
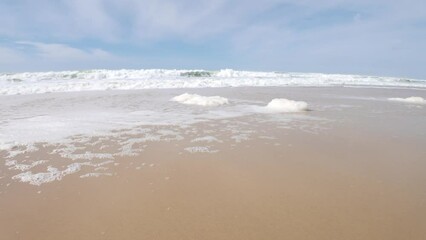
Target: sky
x=369 y=37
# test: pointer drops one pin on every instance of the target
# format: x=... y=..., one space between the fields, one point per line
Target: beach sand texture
x=136 y=165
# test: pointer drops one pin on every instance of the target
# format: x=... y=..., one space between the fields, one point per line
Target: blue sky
x=332 y=36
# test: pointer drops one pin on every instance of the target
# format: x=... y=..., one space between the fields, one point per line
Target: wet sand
x=356 y=171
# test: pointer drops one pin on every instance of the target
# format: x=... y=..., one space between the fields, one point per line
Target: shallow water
x=132 y=164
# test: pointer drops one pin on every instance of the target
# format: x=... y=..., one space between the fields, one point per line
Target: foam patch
x=195 y=99
x=286 y=105
x=415 y=100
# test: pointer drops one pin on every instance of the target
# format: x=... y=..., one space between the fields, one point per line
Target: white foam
x=101 y=80
x=15 y=148
x=286 y=105
x=207 y=139
x=415 y=100
x=21 y=127
x=195 y=99
x=87 y=156
x=97 y=165
x=200 y=149
x=107 y=125
x=52 y=174
x=9 y=163
x=87 y=126
x=14 y=165
x=95 y=175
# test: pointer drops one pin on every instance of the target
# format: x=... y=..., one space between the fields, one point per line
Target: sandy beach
x=145 y=167
x=212 y=120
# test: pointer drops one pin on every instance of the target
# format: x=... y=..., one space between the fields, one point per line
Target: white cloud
x=135 y=20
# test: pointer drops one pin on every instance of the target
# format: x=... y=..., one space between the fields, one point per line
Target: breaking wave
x=99 y=80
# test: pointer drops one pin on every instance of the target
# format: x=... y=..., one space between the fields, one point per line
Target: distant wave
x=99 y=80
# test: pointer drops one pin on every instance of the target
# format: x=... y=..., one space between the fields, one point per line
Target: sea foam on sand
x=286 y=105
x=416 y=100
x=195 y=99
x=51 y=175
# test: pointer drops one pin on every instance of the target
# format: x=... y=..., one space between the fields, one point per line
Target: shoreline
x=352 y=168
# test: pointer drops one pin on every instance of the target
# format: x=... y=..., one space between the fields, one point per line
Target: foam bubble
x=87 y=156
x=13 y=165
x=71 y=81
x=95 y=175
x=286 y=105
x=415 y=100
x=52 y=174
x=126 y=79
x=208 y=139
x=200 y=149
x=195 y=99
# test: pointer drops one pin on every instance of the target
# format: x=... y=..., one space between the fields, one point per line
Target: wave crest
x=100 y=80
